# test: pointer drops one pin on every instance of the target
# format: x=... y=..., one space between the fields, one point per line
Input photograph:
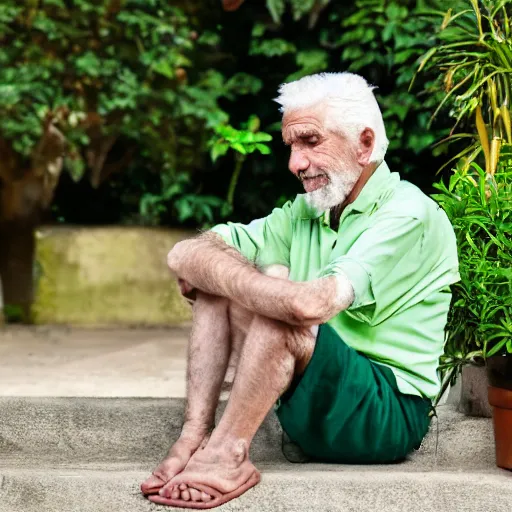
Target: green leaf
x=258 y=30
x=360 y=63
x=209 y=38
x=496 y=348
x=404 y=55
x=271 y=47
x=226 y=210
x=314 y=60
x=239 y=147
x=218 y=150
x=243 y=83
x=88 y=64
x=388 y=31
x=301 y=7
x=276 y=9
x=352 y=52
x=76 y=167
x=262 y=137
x=264 y=150
x=163 y=67
x=253 y=123
x=395 y=12
x=184 y=209
x=55 y=3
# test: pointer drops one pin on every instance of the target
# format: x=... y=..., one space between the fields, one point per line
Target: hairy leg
x=208 y=355
x=240 y=320
x=272 y=353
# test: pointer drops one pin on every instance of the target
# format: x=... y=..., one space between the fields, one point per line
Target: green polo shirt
x=398 y=249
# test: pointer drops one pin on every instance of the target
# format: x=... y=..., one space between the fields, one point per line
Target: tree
x=86 y=86
x=129 y=94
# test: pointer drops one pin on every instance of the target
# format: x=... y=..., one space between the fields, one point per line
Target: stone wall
x=107 y=276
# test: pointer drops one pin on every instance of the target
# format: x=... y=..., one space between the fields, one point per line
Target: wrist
x=274 y=297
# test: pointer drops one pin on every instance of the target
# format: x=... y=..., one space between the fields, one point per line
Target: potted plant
x=474 y=56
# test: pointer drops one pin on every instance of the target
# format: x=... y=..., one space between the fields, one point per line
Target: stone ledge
x=91 y=430
x=49 y=489
x=107 y=276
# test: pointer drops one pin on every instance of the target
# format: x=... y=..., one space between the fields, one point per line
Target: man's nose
x=298 y=162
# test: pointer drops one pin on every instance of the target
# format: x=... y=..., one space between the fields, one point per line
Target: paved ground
x=86 y=414
x=281 y=490
x=59 y=361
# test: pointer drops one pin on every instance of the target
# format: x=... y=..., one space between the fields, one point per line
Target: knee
x=297 y=340
x=240 y=319
x=204 y=299
x=301 y=344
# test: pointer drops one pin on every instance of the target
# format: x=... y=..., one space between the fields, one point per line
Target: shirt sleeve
x=383 y=265
x=265 y=241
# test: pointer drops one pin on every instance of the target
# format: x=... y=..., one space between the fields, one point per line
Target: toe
x=183 y=487
x=151 y=483
x=166 y=491
x=185 y=495
x=205 y=497
x=195 y=495
x=175 y=495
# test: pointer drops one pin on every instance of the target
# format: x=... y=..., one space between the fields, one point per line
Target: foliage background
x=151 y=112
x=150 y=81
x=474 y=59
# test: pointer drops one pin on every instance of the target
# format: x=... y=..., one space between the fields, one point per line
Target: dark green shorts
x=347 y=409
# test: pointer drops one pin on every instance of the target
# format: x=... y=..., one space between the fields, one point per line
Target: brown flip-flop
x=218 y=497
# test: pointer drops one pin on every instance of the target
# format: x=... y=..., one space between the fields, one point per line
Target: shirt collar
x=380 y=185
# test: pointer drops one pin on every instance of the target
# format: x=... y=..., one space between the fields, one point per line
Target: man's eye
x=312 y=141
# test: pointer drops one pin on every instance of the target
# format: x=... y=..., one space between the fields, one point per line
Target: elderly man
x=339 y=298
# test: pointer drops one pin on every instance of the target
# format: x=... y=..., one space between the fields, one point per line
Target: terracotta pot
x=499 y=371
x=501 y=400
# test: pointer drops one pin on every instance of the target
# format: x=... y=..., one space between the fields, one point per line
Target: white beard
x=335 y=192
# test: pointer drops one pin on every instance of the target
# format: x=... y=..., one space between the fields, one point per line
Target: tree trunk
x=17 y=248
x=26 y=190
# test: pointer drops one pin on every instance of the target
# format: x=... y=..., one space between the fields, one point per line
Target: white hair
x=352 y=105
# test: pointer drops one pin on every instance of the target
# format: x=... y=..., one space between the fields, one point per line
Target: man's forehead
x=298 y=121
x=314 y=115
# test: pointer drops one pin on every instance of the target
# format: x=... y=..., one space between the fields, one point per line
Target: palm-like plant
x=474 y=57
x=480 y=320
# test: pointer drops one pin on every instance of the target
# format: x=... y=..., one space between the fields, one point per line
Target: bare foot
x=175 y=461
x=223 y=469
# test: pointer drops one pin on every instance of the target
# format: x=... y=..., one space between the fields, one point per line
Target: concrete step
x=58 y=430
x=72 y=454
x=140 y=430
x=284 y=489
x=90 y=455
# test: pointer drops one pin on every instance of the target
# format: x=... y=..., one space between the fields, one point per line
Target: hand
x=186 y=289
x=175 y=257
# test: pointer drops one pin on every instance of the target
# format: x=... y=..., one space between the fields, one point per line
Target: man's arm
x=209 y=264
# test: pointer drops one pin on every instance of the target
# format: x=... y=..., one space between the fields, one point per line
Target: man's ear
x=366 y=145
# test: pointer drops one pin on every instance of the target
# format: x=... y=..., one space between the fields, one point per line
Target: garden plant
x=474 y=56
